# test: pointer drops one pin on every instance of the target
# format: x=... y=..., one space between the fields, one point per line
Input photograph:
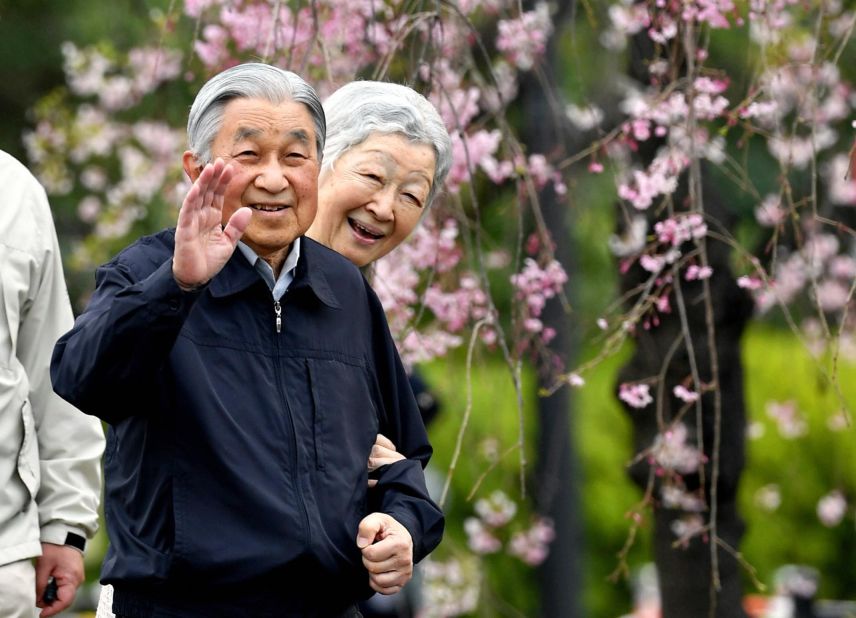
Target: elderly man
x=244 y=389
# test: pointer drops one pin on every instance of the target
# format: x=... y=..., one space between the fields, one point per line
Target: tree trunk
x=685 y=572
x=558 y=478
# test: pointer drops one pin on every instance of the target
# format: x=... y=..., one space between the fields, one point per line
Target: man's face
x=272 y=150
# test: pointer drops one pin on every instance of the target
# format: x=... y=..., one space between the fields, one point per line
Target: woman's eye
x=412 y=199
x=247 y=153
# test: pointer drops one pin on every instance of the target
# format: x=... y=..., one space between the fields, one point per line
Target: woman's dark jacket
x=236 y=455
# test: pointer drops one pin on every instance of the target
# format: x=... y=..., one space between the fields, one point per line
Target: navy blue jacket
x=236 y=455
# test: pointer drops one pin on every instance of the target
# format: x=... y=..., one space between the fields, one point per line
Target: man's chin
x=269 y=244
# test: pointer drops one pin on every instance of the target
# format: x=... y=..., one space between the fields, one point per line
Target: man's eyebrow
x=299 y=134
x=243 y=133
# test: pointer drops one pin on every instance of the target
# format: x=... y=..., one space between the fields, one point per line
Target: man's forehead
x=244 y=132
x=248 y=118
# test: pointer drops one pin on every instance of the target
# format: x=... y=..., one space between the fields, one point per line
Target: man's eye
x=247 y=153
x=373 y=177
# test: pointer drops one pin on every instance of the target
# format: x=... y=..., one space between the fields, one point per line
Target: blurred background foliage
x=778 y=368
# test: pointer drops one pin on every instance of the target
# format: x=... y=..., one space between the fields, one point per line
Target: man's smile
x=269 y=207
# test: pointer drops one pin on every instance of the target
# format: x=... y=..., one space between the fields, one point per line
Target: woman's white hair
x=251 y=80
x=360 y=109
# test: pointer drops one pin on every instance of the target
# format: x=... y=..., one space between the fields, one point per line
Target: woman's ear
x=191 y=166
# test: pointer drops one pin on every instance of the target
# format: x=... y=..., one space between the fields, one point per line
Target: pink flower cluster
x=688 y=527
x=635 y=395
x=535 y=285
x=478 y=149
x=360 y=32
x=419 y=275
x=531 y=545
x=72 y=149
x=672 y=452
x=819 y=269
x=788 y=419
x=661 y=178
x=450 y=587
x=800 y=103
x=674 y=496
x=90 y=73
x=712 y=12
x=831 y=508
x=675 y=231
x=523 y=40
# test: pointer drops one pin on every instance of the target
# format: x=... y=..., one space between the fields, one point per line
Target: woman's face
x=373 y=196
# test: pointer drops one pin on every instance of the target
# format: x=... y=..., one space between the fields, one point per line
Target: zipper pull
x=277 y=308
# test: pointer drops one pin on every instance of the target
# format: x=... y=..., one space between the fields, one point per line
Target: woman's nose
x=382 y=205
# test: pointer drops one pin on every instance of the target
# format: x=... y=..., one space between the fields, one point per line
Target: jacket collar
x=312 y=268
x=238 y=274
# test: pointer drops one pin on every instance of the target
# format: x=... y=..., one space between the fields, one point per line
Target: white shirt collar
x=286 y=275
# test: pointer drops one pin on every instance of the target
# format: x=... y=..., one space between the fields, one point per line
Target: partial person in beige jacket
x=50 y=453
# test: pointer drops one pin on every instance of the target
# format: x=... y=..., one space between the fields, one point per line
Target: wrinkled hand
x=202 y=244
x=65 y=565
x=387 y=549
x=383 y=452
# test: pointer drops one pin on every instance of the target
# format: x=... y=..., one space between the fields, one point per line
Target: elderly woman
x=385 y=160
x=386 y=156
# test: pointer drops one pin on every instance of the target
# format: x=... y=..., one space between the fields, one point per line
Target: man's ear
x=191 y=166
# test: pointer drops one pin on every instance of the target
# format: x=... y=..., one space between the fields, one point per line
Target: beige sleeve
x=70 y=443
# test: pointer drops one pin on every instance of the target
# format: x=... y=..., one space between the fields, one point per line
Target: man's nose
x=271 y=176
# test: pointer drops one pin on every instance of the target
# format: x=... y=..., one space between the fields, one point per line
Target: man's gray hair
x=251 y=80
x=360 y=109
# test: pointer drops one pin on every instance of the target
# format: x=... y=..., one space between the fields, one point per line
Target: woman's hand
x=383 y=452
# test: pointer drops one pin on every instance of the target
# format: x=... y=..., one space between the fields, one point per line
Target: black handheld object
x=50 y=594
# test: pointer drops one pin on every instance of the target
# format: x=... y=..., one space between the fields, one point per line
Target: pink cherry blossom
x=480 y=539
x=688 y=527
x=684 y=394
x=629 y=18
x=832 y=295
x=532 y=546
x=698 y=273
x=831 y=509
x=769 y=497
x=524 y=39
x=584 y=118
x=750 y=283
x=496 y=510
x=576 y=380
x=788 y=419
x=635 y=395
x=672 y=451
x=770 y=212
x=195 y=8
x=674 y=497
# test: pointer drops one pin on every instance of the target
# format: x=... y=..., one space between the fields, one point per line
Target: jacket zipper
x=295 y=459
